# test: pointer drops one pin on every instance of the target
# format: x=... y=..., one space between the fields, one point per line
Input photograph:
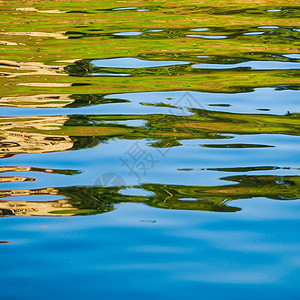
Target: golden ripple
x=58 y=35
x=26 y=208
x=29 y=9
x=6 y=169
x=30 y=68
x=16 y=138
x=4 y=179
x=37 y=101
x=11 y=43
x=44 y=84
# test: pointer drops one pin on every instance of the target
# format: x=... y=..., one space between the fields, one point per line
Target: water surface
x=149 y=150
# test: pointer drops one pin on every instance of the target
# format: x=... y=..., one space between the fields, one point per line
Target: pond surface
x=149 y=150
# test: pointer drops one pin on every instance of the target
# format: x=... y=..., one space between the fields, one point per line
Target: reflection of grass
x=94 y=200
x=220 y=81
x=74 y=212
x=94 y=29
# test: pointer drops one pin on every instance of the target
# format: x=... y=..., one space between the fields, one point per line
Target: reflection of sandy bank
x=29 y=143
x=45 y=84
x=10 y=43
x=5 y=179
x=35 y=169
x=26 y=192
x=42 y=123
x=24 y=208
x=52 y=11
x=37 y=101
x=26 y=9
x=58 y=35
x=13 y=139
x=32 y=207
x=30 y=68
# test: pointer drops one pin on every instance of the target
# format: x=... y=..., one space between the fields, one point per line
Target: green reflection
x=38 y=54
x=61 y=133
x=99 y=199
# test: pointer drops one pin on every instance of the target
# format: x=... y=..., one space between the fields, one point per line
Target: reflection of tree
x=79 y=100
x=94 y=200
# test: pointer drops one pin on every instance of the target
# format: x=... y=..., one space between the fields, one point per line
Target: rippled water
x=149 y=150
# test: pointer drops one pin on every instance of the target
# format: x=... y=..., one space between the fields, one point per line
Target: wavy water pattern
x=150 y=144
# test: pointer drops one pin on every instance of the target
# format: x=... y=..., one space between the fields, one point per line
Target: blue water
x=254 y=253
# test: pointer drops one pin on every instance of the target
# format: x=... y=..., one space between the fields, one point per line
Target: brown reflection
x=32 y=9
x=14 y=69
x=57 y=100
x=37 y=101
x=44 y=84
x=7 y=43
x=16 y=135
x=28 y=192
x=57 y=35
x=4 y=179
x=71 y=203
x=26 y=208
x=34 y=208
x=29 y=207
x=34 y=169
